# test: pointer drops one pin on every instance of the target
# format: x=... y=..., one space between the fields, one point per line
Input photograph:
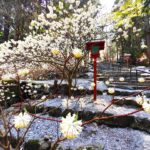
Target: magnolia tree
x=57 y=37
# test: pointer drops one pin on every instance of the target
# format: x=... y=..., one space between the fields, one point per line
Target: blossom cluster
x=63 y=29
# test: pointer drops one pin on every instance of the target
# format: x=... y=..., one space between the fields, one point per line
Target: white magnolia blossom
x=139 y=99
x=121 y=79
x=23 y=72
x=8 y=77
x=141 y=80
x=70 y=126
x=77 y=53
x=125 y=34
x=61 y=5
x=61 y=29
x=107 y=82
x=120 y=30
x=127 y=25
x=72 y=97
x=111 y=90
x=143 y=46
x=111 y=79
x=134 y=29
x=22 y=120
x=92 y=84
x=146 y=106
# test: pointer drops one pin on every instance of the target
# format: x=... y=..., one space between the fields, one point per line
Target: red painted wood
x=95 y=72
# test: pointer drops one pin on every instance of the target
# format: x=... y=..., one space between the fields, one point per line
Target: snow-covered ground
x=86 y=84
x=141 y=69
x=109 y=138
x=86 y=104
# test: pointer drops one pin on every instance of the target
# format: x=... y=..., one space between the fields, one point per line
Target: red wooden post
x=95 y=47
x=95 y=73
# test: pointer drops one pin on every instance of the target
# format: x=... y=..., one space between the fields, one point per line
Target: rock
x=32 y=144
x=45 y=144
x=92 y=147
x=85 y=147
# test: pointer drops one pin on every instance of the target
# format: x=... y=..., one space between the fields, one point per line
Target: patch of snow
x=101 y=103
x=109 y=138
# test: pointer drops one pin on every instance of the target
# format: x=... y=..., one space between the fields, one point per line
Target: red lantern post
x=95 y=47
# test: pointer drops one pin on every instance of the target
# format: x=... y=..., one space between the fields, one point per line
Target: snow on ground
x=141 y=69
x=110 y=138
x=86 y=83
x=86 y=104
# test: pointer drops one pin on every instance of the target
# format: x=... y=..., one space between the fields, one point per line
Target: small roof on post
x=95 y=47
x=90 y=44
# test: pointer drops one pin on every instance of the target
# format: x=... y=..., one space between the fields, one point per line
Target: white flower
x=107 y=82
x=72 y=97
x=8 y=77
x=54 y=16
x=77 y=2
x=59 y=96
x=33 y=23
x=61 y=6
x=92 y=84
x=111 y=90
x=49 y=15
x=143 y=46
x=55 y=51
x=119 y=30
x=45 y=66
x=71 y=1
x=146 y=107
x=77 y=53
x=22 y=120
x=23 y=72
x=121 y=79
x=139 y=99
x=50 y=8
x=127 y=26
x=74 y=89
x=111 y=79
x=134 y=29
x=43 y=97
x=125 y=35
x=71 y=127
x=139 y=30
x=141 y=79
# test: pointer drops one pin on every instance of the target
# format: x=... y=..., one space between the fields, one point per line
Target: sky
x=107 y=5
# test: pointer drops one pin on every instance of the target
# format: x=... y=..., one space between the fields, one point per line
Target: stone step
x=90 y=110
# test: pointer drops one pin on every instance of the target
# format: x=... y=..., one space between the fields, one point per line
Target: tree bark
x=6 y=29
x=69 y=86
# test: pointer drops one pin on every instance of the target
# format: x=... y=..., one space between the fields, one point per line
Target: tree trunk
x=148 y=45
x=6 y=29
x=69 y=86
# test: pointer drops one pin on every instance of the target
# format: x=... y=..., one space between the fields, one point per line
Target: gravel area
x=109 y=138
